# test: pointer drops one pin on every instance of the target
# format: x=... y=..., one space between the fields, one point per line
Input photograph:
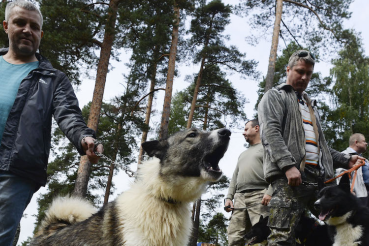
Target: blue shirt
x=11 y=75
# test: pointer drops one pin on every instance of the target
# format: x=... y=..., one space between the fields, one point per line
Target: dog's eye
x=192 y=135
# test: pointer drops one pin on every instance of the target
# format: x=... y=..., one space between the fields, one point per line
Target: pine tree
x=208 y=47
x=316 y=24
x=350 y=112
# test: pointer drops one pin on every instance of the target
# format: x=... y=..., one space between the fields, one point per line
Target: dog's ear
x=345 y=183
x=261 y=218
x=155 y=148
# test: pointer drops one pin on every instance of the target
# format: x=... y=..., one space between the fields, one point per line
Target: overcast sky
x=237 y=30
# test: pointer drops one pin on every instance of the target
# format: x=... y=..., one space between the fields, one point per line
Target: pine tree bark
x=273 y=51
x=195 y=93
x=170 y=76
x=84 y=170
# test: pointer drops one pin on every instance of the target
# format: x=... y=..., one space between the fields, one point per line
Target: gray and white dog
x=155 y=211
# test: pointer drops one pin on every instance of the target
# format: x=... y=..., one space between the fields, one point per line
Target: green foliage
x=149 y=27
x=350 y=113
x=218 y=105
x=207 y=41
x=213 y=225
x=317 y=24
x=215 y=231
x=26 y=242
x=178 y=113
x=71 y=29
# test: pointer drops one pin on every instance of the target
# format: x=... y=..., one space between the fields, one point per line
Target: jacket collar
x=43 y=62
x=289 y=88
x=285 y=87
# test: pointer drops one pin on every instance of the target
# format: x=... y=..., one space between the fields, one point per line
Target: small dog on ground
x=259 y=232
x=155 y=211
x=308 y=232
x=348 y=220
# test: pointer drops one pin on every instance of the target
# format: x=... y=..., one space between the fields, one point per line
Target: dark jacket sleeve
x=340 y=160
x=67 y=113
x=270 y=112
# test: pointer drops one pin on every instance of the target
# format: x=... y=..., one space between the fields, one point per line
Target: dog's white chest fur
x=147 y=220
x=346 y=234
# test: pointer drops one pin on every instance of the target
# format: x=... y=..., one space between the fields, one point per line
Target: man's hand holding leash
x=355 y=160
x=90 y=146
x=228 y=205
x=266 y=199
x=293 y=176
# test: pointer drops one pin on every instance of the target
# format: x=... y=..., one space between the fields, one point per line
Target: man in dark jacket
x=31 y=92
x=297 y=159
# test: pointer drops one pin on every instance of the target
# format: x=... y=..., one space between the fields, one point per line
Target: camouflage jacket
x=283 y=135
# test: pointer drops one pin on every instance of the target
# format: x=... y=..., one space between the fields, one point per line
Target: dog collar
x=169 y=200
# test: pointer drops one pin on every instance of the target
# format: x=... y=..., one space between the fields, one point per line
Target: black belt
x=248 y=191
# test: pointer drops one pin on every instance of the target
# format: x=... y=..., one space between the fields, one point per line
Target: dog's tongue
x=322 y=216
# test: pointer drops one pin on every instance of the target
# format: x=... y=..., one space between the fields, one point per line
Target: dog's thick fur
x=155 y=210
x=348 y=220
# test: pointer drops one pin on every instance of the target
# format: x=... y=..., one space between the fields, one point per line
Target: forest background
x=338 y=97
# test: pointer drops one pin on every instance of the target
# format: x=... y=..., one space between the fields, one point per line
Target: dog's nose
x=224 y=132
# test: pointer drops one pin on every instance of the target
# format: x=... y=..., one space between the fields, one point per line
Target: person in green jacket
x=248 y=188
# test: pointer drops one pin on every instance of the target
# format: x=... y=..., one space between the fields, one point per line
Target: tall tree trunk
x=111 y=168
x=206 y=117
x=195 y=93
x=350 y=102
x=273 y=51
x=149 y=105
x=170 y=76
x=80 y=188
x=196 y=224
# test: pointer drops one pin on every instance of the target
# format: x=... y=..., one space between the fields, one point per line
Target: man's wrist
x=285 y=169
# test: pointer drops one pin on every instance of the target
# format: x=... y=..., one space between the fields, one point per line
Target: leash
x=353 y=169
x=128 y=171
x=251 y=206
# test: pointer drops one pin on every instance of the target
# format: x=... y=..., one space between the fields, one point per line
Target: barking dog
x=348 y=220
x=155 y=210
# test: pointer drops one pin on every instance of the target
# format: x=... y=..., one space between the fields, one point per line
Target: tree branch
x=95 y=41
x=162 y=56
x=316 y=14
x=205 y=106
x=225 y=87
x=144 y=98
x=88 y=5
x=291 y=33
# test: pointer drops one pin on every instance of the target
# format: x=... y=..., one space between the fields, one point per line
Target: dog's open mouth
x=325 y=214
x=211 y=161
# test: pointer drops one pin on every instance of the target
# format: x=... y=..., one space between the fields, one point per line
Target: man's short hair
x=22 y=4
x=301 y=55
x=355 y=137
x=254 y=122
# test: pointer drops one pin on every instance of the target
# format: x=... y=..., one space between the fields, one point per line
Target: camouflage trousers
x=286 y=207
x=242 y=220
